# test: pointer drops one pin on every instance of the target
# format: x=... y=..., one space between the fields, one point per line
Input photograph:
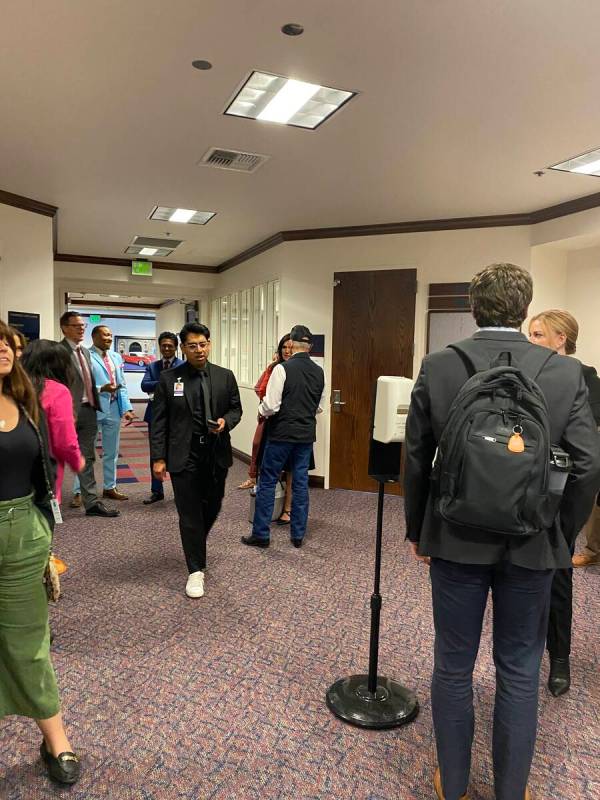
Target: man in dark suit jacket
x=195 y=406
x=466 y=563
x=86 y=402
x=167 y=344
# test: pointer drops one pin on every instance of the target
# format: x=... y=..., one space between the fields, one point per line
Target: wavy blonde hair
x=560 y=321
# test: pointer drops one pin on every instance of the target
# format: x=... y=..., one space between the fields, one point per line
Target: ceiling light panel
x=585 y=164
x=184 y=215
x=273 y=98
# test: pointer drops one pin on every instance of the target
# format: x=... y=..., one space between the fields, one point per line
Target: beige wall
x=26 y=266
x=583 y=301
x=306 y=270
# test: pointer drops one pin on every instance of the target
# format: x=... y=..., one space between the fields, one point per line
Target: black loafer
x=255 y=541
x=100 y=510
x=154 y=498
x=297 y=542
x=559 y=680
x=63 y=768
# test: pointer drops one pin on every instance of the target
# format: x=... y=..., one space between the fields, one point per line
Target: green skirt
x=27 y=680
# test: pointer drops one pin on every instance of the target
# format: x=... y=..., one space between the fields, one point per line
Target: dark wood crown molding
x=27 y=203
x=126 y=262
x=419 y=226
x=114 y=304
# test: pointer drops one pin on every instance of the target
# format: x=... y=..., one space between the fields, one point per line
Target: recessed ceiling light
x=148 y=251
x=185 y=215
x=201 y=64
x=273 y=98
x=585 y=164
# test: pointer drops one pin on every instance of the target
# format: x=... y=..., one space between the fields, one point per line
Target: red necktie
x=85 y=374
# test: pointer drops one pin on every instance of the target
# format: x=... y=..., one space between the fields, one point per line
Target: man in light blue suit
x=109 y=377
x=167 y=344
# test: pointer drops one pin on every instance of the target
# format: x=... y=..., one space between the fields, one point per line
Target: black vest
x=295 y=421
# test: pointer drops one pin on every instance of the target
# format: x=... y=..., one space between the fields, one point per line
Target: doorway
x=373 y=335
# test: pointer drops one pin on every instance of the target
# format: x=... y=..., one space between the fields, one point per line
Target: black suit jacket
x=77 y=387
x=571 y=425
x=171 y=436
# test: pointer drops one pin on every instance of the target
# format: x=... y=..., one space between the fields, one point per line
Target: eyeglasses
x=193 y=346
x=76 y=325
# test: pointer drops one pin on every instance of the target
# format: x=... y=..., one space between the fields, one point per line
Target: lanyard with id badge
x=178 y=388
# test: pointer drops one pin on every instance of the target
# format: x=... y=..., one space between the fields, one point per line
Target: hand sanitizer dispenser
x=391 y=408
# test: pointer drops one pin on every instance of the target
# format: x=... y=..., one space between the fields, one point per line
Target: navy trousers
x=521 y=599
x=276 y=455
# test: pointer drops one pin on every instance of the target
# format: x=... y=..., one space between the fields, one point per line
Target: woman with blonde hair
x=558 y=330
x=27 y=680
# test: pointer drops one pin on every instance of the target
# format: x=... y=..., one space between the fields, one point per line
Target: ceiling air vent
x=235 y=160
x=150 y=246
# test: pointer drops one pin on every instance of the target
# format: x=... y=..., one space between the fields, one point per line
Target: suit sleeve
x=124 y=401
x=234 y=412
x=148 y=382
x=419 y=450
x=581 y=441
x=61 y=427
x=160 y=422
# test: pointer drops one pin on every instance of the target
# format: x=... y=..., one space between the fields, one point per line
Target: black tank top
x=19 y=451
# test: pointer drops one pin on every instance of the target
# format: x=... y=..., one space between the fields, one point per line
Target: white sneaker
x=195 y=585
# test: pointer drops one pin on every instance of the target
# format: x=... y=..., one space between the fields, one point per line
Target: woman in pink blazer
x=50 y=369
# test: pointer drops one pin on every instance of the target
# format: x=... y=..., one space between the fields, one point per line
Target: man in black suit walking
x=466 y=562
x=195 y=406
x=86 y=402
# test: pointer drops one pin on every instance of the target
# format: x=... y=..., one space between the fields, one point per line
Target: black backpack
x=491 y=469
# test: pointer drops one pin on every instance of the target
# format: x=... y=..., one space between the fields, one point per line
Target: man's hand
x=221 y=427
x=159 y=469
x=415 y=551
x=111 y=388
x=128 y=416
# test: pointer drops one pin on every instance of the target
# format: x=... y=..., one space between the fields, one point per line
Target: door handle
x=336 y=401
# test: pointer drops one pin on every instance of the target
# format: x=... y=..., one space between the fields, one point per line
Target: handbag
x=51 y=580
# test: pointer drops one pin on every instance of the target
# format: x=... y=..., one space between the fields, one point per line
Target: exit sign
x=141 y=268
x=95 y=318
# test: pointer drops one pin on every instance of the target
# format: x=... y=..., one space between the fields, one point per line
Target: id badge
x=178 y=389
x=56 y=511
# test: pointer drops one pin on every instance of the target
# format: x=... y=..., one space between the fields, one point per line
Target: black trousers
x=560 y=622
x=198 y=491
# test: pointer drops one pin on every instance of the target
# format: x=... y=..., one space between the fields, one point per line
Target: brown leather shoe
x=583 y=560
x=437 y=785
x=76 y=501
x=114 y=494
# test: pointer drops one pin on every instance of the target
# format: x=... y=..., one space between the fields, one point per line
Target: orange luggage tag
x=516 y=443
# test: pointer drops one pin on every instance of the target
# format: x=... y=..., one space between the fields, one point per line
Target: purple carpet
x=222 y=698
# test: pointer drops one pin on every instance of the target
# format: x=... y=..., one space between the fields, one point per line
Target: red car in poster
x=141 y=359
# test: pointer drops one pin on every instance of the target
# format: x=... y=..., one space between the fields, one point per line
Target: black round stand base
x=390 y=706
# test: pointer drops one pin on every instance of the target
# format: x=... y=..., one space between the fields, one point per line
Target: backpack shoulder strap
x=471 y=355
x=533 y=361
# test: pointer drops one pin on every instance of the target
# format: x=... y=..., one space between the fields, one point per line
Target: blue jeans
x=521 y=603
x=275 y=457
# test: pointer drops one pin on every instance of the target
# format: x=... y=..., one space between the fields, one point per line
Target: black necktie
x=206 y=395
x=165 y=364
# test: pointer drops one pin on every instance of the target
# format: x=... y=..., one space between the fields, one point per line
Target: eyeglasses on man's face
x=193 y=346
x=80 y=325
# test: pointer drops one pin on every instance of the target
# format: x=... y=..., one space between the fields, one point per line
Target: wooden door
x=373 y=333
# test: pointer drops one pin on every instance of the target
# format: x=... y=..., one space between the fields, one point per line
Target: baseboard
x=240 y=456
x=316 y=481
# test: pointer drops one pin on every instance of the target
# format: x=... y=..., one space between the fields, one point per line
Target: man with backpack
x=502 y=467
